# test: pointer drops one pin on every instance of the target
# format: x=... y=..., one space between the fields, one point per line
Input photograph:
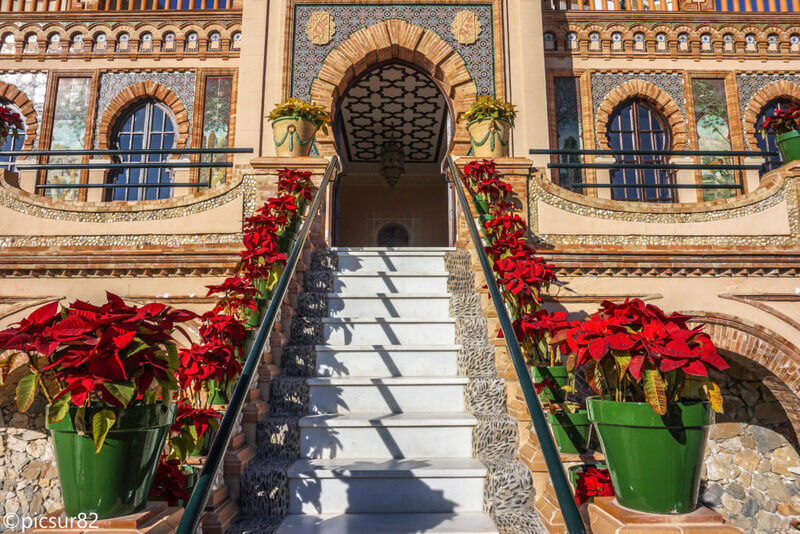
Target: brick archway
x=29 y=115
x=650 y=93
x=777 y=89
x=764 y=347
x=136 y=93
x=400 y=40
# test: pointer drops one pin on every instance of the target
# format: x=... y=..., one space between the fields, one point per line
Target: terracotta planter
x=293 y=137
x=489 y=137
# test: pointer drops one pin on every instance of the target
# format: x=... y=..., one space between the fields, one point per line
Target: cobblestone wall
x=749 y=454
x=28 y=477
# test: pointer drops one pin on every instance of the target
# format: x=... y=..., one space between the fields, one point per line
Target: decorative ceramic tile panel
x=34 y=85
x=307 y=57
x=111 y=83
x=750 y=84
x=671 y=83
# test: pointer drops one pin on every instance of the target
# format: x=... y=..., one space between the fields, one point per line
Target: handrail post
x=552 y=458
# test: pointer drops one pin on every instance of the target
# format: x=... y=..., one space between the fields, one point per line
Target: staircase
x=388 y=415
x=387 y=444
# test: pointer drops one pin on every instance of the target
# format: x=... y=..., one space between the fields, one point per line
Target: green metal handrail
x=197 y=501
x=566 y=501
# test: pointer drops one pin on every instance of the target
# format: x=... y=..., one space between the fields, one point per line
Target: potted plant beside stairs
x=295 y=124
x=785 y=123
x=654 y=401
x=489 y=122
x=108 y=374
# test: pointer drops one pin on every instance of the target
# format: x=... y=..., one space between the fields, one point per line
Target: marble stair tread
x=412 y=523
x=378 y=348
x=386 y=320
x=382 y=295
x=388 y=420
x=387 y=468
x=388 y=381
x=401 y=250
x=391 y=274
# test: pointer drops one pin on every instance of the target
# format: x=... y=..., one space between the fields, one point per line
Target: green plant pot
x=115 y=481
x=220 y=396
x=252 y=318
x=192 y=473
x=559 y=375
x=287 y=236
x=570 y=431
x=789 y=145
x=655 y=461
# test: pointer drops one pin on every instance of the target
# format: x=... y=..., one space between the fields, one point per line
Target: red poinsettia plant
x=169 y=482
x=593 y=482
x=477 y=171
x=297 y=183
x=635 y=352
x=782 y=121
x=543 y=336
x=83 y=355
x=10 y=123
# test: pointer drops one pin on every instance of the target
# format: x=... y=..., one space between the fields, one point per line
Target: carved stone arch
x=650 y=93
x=134 y=94
x=762 y=97
x=29 y=115
x=385 y=41
x=764 y=347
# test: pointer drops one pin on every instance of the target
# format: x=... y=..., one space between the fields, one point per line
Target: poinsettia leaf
x=172 y=354
x=591 y=377
x=713 y=394
x=623 y=359
x=122 y=391
x=26 y=391
x=655 y=390
x=58 y=409
x=102 y=422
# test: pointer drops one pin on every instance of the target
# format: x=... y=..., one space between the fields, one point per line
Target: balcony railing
x=30 y=6
x=658 y=175
x=33 y=168
x=744 y=6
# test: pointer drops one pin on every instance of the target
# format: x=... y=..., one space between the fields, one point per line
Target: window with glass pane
x=766 y=141
x=216 y=125
x=11 y=142
x=634 y=125
x=568 y=127
x=146 y=126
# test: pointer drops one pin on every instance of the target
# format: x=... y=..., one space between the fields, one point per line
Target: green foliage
x=486 y=107
x=298 y=109
x=101 y=424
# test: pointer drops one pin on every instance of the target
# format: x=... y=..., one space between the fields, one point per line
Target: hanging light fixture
x=392 y=165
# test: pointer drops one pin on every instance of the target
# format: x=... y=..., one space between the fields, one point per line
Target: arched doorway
x=393 y=119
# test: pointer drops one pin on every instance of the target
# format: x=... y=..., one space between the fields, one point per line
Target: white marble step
x=404 y=394
x=380 y=435
x=407 y=305
x=398 y=260
x=388 y=360
x=388 y=331
x=463 y=523
x=361 y=282
x=432 y=485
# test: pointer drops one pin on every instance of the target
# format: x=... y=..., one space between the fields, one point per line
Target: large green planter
x=115 y=481
x=655 y=461
x=559 y=375
x=570 y=431
x=789 y=145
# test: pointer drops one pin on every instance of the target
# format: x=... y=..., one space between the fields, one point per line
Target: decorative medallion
x=320 y=28
x=466 y=27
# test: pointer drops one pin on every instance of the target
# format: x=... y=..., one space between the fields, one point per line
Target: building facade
x=591 y=75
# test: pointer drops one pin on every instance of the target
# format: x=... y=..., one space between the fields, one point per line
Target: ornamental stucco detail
x=111 y=83
x=307 y=58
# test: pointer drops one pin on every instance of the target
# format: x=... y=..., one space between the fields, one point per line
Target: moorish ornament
x=466 y=27
x=320 y=28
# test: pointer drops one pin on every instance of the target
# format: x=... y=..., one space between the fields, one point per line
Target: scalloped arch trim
x=18 y=98
x=762 y=97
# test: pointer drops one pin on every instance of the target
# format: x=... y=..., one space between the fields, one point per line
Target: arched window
x=7 y=162
x=146 y=126
x=635 y=125
x=766 y=142
x=393 y=235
